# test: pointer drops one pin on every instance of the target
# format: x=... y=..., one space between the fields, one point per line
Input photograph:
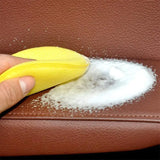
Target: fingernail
x=26 y=84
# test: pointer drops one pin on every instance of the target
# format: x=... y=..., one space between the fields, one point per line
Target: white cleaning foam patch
x=108 y=82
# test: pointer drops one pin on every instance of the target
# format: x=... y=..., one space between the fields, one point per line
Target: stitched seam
x=108 y=115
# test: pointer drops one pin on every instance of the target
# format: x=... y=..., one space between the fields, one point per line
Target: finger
x=8 y=61
x=13 y=90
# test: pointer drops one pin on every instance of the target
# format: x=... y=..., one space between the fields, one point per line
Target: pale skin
x=13 y=90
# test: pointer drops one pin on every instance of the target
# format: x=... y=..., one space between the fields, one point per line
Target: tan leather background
x=106 y=28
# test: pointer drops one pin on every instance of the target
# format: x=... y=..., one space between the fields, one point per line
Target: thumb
x=13 y=90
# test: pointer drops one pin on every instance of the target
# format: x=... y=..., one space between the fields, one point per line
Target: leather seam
x=107 y=115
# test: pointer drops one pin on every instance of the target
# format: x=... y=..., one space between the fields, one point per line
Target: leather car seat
x=111 y=29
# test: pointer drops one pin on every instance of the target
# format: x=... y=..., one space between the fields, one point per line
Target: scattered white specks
x=10 y=44
x=14 y=39
x=46 y=30
x=28 y=29
x=22 y=41
x=107 y=83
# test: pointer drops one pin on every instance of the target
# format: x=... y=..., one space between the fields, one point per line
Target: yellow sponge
x=52 y=66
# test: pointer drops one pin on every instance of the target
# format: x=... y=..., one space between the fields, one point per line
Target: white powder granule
x=108 y=82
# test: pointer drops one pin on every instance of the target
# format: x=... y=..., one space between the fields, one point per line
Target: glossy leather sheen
x=106 y=28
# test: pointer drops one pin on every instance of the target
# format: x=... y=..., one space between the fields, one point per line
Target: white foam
x=108 y=82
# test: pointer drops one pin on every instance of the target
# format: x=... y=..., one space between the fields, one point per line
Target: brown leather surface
x=116 y=29
x=122 y=28
x=39 y=137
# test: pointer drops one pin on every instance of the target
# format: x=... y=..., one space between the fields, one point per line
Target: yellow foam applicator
x=52 y=66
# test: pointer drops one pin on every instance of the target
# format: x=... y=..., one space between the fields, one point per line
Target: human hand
x=13 y=90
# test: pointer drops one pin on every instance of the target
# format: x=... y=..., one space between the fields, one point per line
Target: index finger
x=8 y=61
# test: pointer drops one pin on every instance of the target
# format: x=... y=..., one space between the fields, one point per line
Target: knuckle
x=3 y=56
x=4 y=62
x=9 y=94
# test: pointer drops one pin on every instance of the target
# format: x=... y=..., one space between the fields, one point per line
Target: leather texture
x=45 y=137
x=106 y=28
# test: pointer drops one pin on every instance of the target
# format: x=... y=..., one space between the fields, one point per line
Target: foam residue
x=108 y=82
